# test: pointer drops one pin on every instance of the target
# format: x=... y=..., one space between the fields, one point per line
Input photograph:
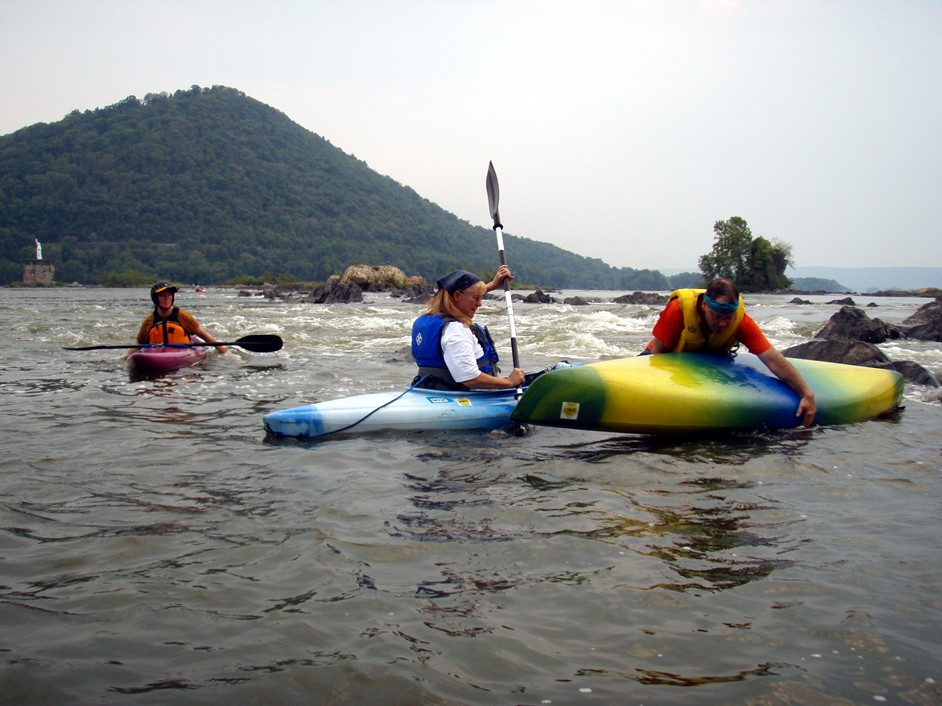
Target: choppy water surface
x=157 y=549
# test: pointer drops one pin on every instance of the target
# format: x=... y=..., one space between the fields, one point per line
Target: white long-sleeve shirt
x=461 y=350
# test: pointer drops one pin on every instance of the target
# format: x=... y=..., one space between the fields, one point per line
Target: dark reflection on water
x=732 y=448
x=702 y=543
x=649 y=676
x=439 y=504
x=155 y=686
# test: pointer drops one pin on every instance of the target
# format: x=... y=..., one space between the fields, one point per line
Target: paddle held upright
x=493 y=199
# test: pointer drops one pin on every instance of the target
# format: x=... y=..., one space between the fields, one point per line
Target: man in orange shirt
x=714 y=321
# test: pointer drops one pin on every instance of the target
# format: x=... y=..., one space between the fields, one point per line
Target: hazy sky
x=620 y=129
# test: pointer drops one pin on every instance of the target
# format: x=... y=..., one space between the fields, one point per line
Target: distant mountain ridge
x=207 y=184
x=872 y=279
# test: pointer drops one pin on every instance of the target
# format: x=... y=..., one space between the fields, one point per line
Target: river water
x=157 y=549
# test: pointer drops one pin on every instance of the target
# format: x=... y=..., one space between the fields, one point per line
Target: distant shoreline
x=864 y=280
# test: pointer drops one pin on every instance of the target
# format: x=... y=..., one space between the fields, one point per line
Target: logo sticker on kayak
x=460 y=401
x=569 y=410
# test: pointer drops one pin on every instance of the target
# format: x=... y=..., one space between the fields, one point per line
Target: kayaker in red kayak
x=170 y=324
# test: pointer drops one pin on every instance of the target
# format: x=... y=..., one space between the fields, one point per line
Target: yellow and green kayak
x=692 y=392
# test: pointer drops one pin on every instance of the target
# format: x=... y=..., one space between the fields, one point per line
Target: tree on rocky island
x=754 y=264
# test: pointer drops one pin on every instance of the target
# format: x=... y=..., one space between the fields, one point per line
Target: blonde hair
x=442 y=303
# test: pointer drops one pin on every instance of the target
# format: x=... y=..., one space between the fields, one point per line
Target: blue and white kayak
x=413 y=409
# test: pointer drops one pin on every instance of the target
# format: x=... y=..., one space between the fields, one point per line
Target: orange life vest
x=169 y=330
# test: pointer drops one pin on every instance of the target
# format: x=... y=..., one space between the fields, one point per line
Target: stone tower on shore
x=38 y=271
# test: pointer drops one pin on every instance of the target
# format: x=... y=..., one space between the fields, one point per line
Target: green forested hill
x=207 y=184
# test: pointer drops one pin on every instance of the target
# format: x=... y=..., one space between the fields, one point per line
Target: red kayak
x=157 y=359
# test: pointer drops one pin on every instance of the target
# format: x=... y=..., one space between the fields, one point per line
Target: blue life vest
x=427 y=351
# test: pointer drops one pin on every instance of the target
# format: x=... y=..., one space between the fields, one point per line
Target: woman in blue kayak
x=453 y=352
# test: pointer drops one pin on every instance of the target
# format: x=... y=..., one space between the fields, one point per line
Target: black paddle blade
x=259 y=343
x=493 y=194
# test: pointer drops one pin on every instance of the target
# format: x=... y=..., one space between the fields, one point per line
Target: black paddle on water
x=493 y=199
x=257 y=343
